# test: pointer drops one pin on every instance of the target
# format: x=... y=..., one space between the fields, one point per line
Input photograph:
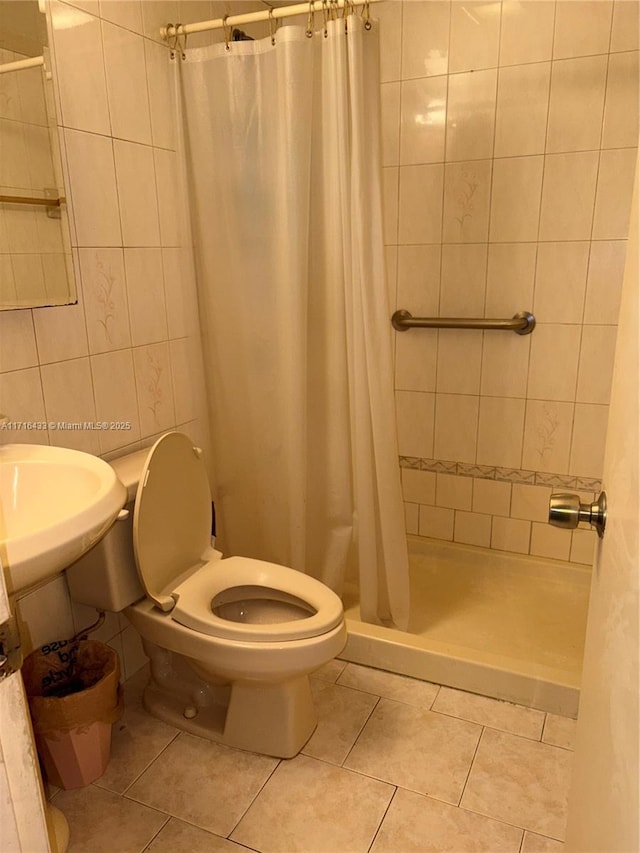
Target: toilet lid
x=172 y=516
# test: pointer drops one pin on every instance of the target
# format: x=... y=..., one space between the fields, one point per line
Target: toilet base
x=271 y=719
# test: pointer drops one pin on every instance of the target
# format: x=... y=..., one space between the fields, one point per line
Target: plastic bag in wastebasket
x=72 y=684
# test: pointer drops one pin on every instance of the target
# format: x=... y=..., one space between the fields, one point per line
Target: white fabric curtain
x=282 y=150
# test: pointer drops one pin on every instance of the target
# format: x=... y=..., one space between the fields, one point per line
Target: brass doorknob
x=565 y=510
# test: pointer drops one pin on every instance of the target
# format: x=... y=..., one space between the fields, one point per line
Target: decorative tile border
x=508 y=475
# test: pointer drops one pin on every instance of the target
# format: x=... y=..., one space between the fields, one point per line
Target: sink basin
x=55 y=504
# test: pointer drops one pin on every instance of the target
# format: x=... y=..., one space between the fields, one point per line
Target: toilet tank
x=106 y=577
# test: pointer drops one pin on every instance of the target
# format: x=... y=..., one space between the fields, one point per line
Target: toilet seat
x=177 y=567
x=255 y=579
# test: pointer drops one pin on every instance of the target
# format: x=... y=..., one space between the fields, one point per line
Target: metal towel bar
x=522 y=323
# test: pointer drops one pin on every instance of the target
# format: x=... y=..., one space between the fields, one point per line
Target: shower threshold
x=500 y=624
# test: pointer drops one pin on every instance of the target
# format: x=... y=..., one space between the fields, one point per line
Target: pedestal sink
x=55 y=503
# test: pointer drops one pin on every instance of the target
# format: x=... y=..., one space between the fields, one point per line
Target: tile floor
x=396 y=765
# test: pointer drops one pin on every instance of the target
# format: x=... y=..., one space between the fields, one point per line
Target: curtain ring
x=226 y=28
x=325 y=18
x=347 y=9
x=273 y=26
x=310 y=20
x=172 y=39
x=365 y=15
x=181 y=43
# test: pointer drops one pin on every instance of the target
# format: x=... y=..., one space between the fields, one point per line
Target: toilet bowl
x=231 y=640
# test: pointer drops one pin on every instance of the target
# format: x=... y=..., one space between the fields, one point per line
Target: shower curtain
x=281 y=143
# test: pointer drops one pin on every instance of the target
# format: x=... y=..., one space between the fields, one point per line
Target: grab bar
x=522 y=323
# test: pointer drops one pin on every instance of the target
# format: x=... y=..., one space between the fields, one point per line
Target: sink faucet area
x=55 y=503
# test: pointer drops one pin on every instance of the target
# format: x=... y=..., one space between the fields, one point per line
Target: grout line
x=382 y=819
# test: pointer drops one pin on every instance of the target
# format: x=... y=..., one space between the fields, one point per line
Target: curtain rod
x=250 y=17
x=32 y=62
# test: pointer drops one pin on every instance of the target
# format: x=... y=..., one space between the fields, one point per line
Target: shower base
x=499 y=624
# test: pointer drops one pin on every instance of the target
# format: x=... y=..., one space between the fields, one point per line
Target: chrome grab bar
x=522 y=323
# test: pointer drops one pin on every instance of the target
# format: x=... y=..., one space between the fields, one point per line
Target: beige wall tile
x=595 y=371
x=568 y=195
x=553 y=367
x=463 y=280
x=613 y=196
x=582 y=27
x=137 y=194
x=147 y=310
x=453 y=492
x=471 y=110
x=510 y=534
x=21 y=399
x=510 y=276
x=17 y=341
x=475 y=33
x=561 y=278
x=436 y=522
x=80 y=69
x=160 y=85
x=625 y=29
x=68 y=397
x=530 y=502
x=390 y=119
x=491 y=496
x=126 y=75
x=416 y=357
x=455 y=427
x=126 y=13
x=418 y=486
x=420 y=204
x=604 y=281
x=472 y=528
x=415 y=422
x=527 y=31
x=547 y=541
x=505 y=365
x=500 y=432
x=621 y=105
x=411 y=518
x=423 y=108
x=588 y=440
x=425 y=38
x=576 y=104
x=115 y=401
x=60 y=333
x=522 y=108
x=93 y=189
x=419 y=279
x=390 y=201
x=390 y=41
x=583 y=545
x=515 y=199
x=459 y=362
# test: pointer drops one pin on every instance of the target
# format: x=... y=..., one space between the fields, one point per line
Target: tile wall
x=510 y=135
x=127 y=352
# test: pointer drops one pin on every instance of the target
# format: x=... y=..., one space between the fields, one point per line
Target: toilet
x=232 y=640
